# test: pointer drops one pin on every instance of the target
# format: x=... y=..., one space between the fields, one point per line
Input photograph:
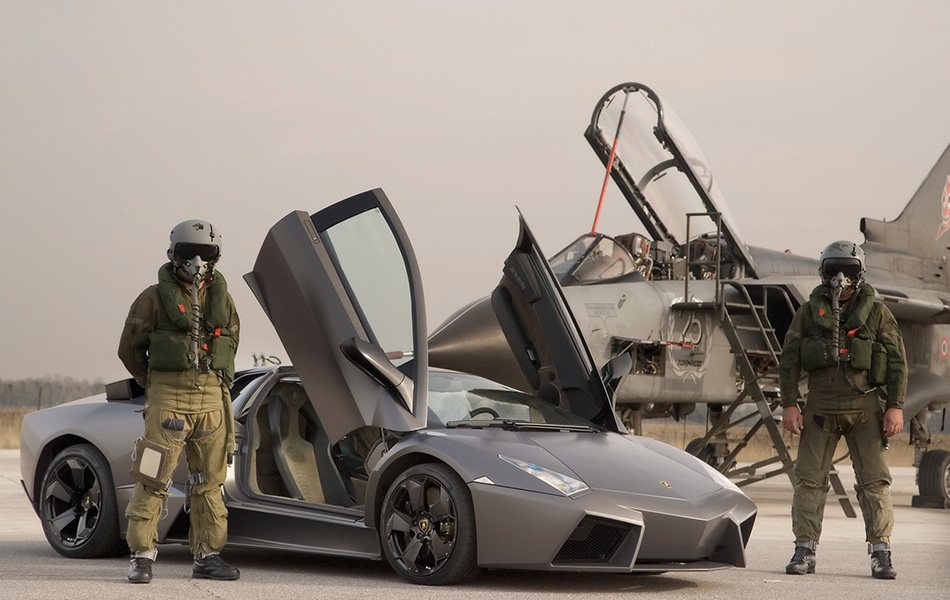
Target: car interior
x=292 y=456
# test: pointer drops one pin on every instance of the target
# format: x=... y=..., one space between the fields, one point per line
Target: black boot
x=803 y=561
x=881 y=567
x=212 y=566
x=140 y=569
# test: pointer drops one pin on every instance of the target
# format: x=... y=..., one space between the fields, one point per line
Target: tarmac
x=30 y=569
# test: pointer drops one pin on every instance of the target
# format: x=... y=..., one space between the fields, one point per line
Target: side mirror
x=372 y=361
x=614 y=372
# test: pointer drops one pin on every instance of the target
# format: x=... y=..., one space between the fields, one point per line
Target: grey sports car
x=361 y=450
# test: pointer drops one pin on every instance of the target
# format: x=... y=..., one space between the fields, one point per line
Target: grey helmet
x=194 y=248
x=844 y=258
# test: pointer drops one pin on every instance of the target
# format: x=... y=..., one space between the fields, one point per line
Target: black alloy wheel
x=427 y=526
x=78 y=506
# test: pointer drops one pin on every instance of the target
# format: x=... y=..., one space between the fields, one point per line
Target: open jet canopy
x=661 y=171
x=702 y=314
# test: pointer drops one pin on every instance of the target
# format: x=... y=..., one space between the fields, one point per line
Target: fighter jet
x=703 y=314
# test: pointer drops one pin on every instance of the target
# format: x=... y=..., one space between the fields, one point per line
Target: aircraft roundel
x=944 y=348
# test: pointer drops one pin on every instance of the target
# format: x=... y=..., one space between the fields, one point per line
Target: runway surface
x=30 y=569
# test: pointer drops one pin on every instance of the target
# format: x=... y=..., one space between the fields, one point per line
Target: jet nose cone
x=471 y=341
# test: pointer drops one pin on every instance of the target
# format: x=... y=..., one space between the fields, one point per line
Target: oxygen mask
x=842 y=275
x=195 y=261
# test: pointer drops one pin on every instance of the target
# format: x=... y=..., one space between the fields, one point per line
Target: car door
x=545 y=338
x=343 y=291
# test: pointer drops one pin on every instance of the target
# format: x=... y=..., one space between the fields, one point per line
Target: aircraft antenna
x=610 y=162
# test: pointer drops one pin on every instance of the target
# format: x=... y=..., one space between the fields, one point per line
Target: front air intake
x=594 y=540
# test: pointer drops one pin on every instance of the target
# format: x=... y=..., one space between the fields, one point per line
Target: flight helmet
x=194 y=248
x=844 y=257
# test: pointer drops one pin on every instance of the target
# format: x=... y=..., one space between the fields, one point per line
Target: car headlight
x=562 y=483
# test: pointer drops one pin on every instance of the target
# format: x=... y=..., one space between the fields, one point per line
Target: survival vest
x=858 y=344
x=170 y=344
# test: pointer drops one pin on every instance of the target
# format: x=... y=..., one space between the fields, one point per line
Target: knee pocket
x=151 y=464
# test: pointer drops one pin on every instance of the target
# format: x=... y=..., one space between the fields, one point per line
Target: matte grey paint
x=544 y=337
x=305 y=298
x=521 y=521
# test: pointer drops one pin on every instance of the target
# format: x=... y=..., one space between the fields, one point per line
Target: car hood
x=628 y=463
x=605 y=461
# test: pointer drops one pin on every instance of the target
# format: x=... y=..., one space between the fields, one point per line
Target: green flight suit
x=843 y=400
x=184 y=409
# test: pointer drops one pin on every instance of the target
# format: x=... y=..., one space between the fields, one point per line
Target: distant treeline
x=46 y=392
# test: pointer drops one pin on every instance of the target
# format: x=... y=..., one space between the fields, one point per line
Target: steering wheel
x=482 y=410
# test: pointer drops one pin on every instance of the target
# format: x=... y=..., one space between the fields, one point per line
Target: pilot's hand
x=792 y=419
x=893 y=421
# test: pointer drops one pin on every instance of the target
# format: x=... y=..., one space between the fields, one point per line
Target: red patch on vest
x=181 y=307
x=821 y=312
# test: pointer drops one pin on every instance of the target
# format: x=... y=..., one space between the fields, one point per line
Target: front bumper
x=610 y=531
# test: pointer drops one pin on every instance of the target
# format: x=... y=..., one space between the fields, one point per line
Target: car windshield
x=459 y=397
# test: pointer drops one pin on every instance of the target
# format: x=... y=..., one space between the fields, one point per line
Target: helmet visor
x=186 y=251
x=850 y=268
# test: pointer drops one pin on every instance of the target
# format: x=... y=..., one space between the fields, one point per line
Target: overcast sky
x=120 y=119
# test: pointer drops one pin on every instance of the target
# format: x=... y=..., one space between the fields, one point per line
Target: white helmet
x=195 y=248
x=844 y=258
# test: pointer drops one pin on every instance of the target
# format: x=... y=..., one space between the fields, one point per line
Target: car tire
x=427 y=526
x=933 y=474
x=77 y=505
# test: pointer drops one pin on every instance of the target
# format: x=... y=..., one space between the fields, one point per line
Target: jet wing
x=343 y=290
x=660 y=170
